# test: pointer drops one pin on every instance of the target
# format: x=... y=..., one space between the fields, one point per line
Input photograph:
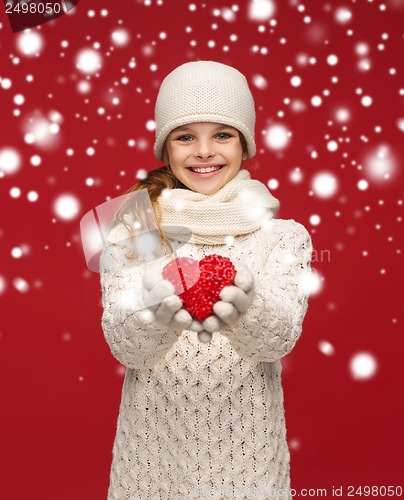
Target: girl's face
x=204 y=156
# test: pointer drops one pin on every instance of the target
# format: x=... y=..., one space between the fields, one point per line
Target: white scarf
x=240 y=207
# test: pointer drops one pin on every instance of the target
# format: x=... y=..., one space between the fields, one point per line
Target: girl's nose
x=204 y=149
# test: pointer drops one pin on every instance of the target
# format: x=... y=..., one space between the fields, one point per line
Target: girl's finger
x=162 y=290
x=213 y=324
x=226 y=312
x=181 y=320
x=244 y=278
x=196 y=326
x=150 y=278
x=168 y=307
x=235 y=296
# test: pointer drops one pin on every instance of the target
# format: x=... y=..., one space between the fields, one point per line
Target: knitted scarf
x=240 y=207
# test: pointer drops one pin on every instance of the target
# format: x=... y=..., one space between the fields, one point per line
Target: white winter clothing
x=207 y=420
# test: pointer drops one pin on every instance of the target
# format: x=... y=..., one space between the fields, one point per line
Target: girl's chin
x=207 y=188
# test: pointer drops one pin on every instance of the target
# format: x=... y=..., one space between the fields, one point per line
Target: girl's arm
x=135 y=339
x=273 y=323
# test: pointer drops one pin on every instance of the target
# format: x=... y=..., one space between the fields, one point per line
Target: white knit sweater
x=207 y=420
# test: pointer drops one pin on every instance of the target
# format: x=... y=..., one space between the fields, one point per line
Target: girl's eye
x=223 y=135
x=184 y=138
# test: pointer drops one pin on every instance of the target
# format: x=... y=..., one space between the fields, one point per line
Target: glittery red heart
x=200 y=295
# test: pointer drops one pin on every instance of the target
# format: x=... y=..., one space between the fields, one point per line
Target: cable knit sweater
x=206 y=420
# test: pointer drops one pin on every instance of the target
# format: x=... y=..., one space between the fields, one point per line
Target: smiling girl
x=205 y=419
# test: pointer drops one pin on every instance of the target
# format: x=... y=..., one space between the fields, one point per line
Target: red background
x=61 y=386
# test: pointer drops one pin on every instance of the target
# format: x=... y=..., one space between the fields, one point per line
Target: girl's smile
x=205 y=170
x=204 y=156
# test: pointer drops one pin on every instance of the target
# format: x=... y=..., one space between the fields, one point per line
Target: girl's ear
x=245 y=156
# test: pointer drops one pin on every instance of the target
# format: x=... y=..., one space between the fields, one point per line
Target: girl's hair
x=156 y=180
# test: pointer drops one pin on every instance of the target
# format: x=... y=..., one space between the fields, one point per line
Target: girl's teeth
x=204 y=170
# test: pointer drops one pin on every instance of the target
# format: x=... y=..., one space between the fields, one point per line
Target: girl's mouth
x=205 y=171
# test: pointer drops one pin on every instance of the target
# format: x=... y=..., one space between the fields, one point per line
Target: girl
x=204 y=419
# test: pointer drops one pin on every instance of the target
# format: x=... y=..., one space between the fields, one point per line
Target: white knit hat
x=204 y=91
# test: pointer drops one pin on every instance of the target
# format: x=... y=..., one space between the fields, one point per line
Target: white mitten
x=160 y=298
x=235 y=301
x=206 y=328
x=237 y=298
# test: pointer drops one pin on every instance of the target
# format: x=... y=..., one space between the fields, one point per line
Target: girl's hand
x=235 y=301
x=206 y=328
x=160 y=298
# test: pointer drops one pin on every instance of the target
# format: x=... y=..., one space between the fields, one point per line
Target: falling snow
x=66 y=207
x=277 y=137
x=30 y=43
x=326 y=348
x=261 y=10
x=363 y=366
x=10 y=160
x=88 y=61
x=324 y=184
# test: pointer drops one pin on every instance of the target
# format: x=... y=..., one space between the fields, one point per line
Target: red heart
x=202 y=282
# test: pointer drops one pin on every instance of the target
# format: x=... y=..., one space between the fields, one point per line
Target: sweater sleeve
x=272 y=325
x=134 y=338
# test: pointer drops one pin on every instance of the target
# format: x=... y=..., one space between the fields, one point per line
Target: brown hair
x=156 y=180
